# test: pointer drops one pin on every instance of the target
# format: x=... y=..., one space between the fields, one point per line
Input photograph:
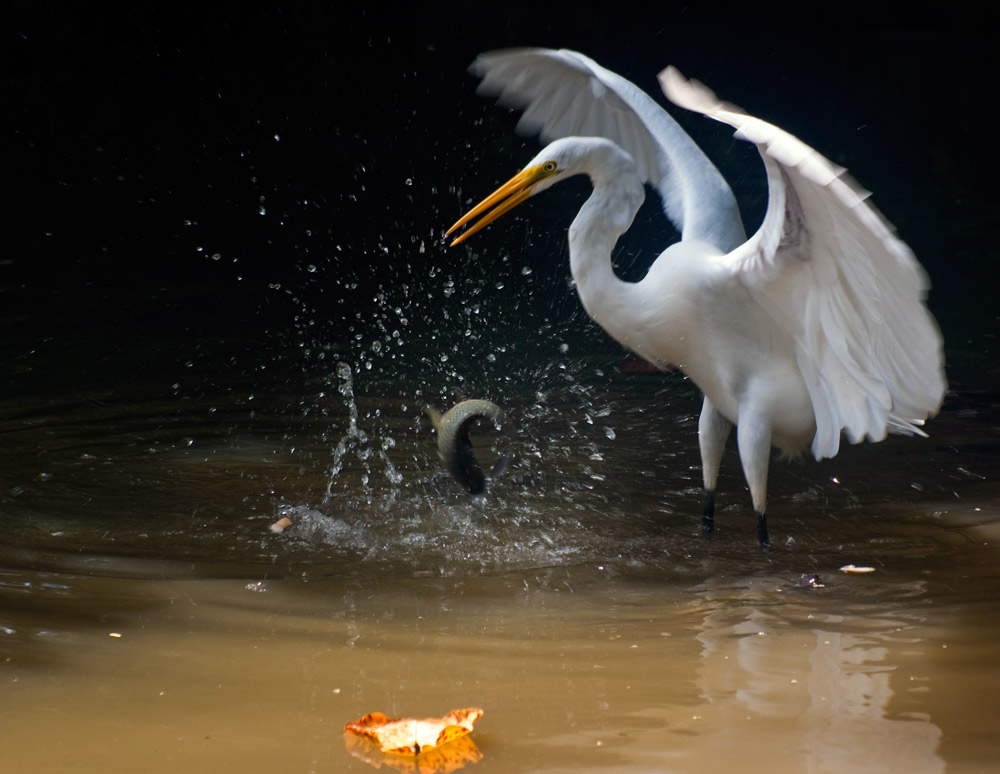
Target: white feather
x=832 y=271
x=565 y=94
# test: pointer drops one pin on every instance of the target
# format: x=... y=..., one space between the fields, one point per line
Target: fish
x=455 y=446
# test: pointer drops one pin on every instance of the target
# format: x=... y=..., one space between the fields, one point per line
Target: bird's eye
x=549 y=166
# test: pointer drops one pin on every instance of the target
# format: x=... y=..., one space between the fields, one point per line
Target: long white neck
x=617 y=306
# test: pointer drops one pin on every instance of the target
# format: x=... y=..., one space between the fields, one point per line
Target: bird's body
x=813 y=327
x=689 y=311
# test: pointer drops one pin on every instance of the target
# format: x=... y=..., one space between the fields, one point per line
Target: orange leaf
x=410 y=736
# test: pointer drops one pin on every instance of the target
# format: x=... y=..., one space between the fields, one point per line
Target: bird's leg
x=762 y=536
x=713 y=430
x=754 y=437
x=708 y=512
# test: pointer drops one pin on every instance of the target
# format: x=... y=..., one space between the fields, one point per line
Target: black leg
x=762 y=537
x=708 y=513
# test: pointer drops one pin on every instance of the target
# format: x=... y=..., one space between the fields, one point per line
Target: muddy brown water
x=151 y=621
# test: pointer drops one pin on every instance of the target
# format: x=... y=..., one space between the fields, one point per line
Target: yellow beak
x=505 y=198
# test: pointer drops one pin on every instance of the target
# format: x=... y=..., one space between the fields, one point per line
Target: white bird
x=814 y=326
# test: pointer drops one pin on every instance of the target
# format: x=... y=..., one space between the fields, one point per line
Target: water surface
x=150 y=620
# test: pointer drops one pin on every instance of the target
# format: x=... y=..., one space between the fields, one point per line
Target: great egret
x=814 y=326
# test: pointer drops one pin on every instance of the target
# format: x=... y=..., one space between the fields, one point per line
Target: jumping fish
x=455 y=446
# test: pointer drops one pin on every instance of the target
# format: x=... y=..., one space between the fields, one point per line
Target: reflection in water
x=822 y=683
x=453 y=756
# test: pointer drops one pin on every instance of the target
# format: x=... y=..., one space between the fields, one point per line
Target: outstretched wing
x=831 y=269
x=565 y=94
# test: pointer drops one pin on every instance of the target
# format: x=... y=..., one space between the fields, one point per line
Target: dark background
x=197 y=181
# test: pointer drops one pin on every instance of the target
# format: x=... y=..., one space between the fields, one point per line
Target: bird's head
x=556 y=162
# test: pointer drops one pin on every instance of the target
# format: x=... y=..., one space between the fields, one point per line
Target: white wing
x=565 y=94
x=830 y=268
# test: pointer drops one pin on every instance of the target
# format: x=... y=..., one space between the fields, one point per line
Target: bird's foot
x=762 y=537
x=708 y=513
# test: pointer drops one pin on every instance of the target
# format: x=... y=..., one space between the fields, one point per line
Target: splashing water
x=432 y=335
x=354 y=440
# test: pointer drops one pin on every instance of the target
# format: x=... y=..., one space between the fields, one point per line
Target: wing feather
x=830 y=269
x=565 y=94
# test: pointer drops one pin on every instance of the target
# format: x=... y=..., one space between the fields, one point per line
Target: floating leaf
x=410 y=736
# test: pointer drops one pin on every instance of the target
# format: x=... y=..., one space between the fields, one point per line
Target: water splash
x=355 y=440
x=426 y=335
